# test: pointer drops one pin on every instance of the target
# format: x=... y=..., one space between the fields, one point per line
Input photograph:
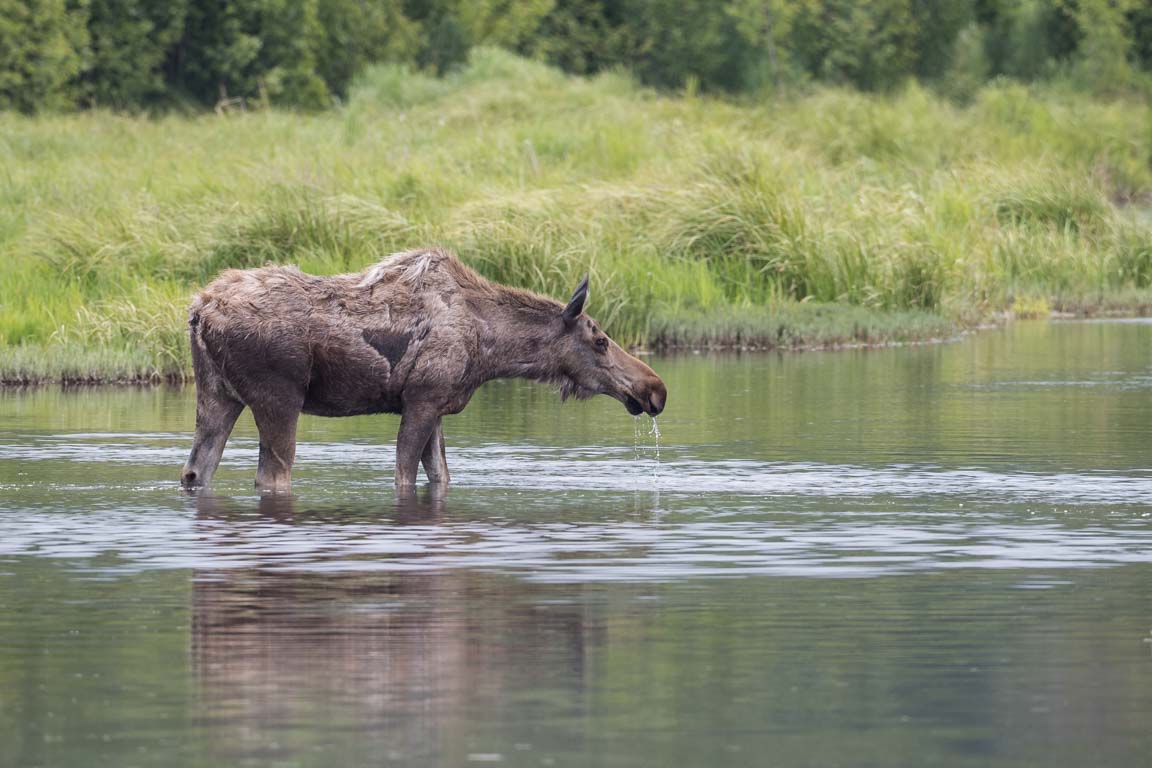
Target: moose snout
x=642 y=391
x=650 y=398
x=657 y=397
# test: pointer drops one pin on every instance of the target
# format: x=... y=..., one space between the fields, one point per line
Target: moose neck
x=517 y=338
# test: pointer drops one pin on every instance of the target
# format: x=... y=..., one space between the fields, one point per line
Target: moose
x=416 y=335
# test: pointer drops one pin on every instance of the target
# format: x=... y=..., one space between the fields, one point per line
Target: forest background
x=149 y=54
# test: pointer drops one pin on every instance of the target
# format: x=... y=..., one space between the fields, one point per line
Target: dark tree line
x=143 y=54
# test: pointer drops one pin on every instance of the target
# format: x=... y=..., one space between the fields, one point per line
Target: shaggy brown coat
x=416 y=334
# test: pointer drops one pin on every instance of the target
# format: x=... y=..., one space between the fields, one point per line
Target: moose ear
x=576 y=305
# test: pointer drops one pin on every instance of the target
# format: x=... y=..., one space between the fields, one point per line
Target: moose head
x=591 y=363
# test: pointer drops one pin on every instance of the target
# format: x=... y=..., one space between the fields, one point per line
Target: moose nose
x=657 y=398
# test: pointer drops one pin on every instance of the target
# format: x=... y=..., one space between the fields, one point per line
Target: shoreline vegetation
x=796 y=328
x=824 y=219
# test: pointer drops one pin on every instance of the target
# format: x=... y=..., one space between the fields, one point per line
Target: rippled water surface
x=898 y=557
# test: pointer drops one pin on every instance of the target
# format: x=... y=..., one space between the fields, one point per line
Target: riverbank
x=827 y=219
x=792 y=326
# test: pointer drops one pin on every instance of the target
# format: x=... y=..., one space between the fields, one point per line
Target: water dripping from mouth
x=655 y=432
x=639 y=434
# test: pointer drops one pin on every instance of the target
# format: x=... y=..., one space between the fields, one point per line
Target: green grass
x=702 y=221
x=794 y=325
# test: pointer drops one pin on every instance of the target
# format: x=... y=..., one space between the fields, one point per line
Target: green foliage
x=794 y=326
x=1134 y=256
x=700 y=220
x=1102 y=59
x=453 y=27
x=262 y=49
x=501 y=23
x=217 y=51
x=148 y=54
x=42 y=47
x=291 y=37
x=579 y=36
x=130 y=40
x=866 y=43
x=1029 y=39
x=358 y=34
x=940 y=25
x=968 y=69
x=672 y=43
x=1140 y=19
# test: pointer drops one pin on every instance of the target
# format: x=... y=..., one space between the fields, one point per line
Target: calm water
x=900 y=557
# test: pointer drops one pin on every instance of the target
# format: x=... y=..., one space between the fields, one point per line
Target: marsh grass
x=69 y=363
x=794 y=325
x=703 y=222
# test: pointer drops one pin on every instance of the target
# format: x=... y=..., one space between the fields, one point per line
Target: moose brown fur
x=416 y=334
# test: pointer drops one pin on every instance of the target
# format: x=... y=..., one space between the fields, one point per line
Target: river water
x=935 y=555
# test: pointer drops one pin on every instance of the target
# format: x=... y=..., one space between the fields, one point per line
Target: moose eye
x=602 y=344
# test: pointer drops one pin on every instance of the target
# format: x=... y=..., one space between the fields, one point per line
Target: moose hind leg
x=216 y=414
x=277 y=427
x=434 y=459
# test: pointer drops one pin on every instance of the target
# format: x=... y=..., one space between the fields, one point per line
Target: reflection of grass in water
x=702 y=221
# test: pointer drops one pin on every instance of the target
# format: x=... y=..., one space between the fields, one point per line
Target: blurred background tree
x=43 y=44
x=1104 y=53
x=129 y=45
x=147 y=54
x=357 y=33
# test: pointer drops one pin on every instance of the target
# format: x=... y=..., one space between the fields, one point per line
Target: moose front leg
x=434 y=460
x=416 y=428
x=277 y=447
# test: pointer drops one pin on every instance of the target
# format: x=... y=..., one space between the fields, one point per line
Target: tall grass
x=693 y=215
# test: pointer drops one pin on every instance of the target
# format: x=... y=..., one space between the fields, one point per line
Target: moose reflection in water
x=416 y=335
x=403 y=660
